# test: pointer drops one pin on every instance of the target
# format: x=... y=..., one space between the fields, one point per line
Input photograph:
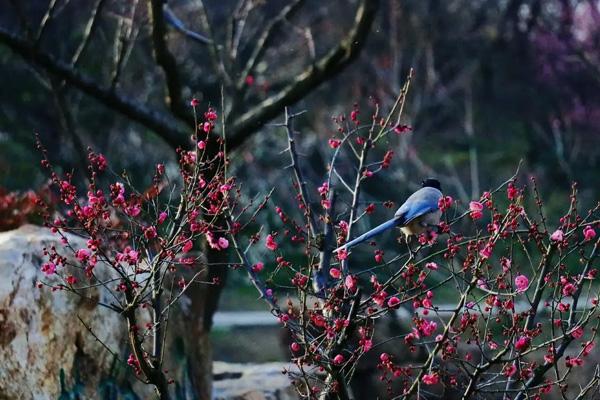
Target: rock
x=252 y=382
x=46 y=351
x=40 y=334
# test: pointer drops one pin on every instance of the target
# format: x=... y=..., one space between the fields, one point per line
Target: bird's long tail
x=368 y=235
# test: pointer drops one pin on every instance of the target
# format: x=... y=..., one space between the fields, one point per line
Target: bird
x=418 y=214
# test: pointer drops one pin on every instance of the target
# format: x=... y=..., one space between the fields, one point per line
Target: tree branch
x=325 y=68
x=179 y=26
x=265 y=39
x=165 y=59
x=169 y=129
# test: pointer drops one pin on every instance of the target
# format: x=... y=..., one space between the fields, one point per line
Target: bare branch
x=165 y=58
x=88 y=31
x=179 y=26
x=45 y=21
x=325 y=68
x=265 y=39
x=289 y=125
x=169 y=129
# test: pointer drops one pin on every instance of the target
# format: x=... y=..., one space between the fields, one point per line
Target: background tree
x=111 y=53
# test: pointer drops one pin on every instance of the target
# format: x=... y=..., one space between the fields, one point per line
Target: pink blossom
x=350 y=282
x=522 y=343
x=295 y=347
x=194 y=102
x=259 y=266
x=217 y=244
x=187 y=246
x=270 y=243
x=133 y=210
x=82 y=254
x=577 y=332
x=522 y=283
x=445 y=203
x=335 y=273
x=486 y=252
x=475 y=209
x=201 y=145
x=569 y=289
x=432 y=266
x=323 y=189
x=367 y=344
x=557 y=236
x=393 y=302
x=334 y=143
x=161 y=217
x=587 y=349
x=132 y=256
x=511 y=191
x=207 y=127
x=342 y=254
x=506 y=263
x=338 y=360
x=211 y=115
x=399 y=129
x=150 y=232
x=48 y=268
x=71 y=280
x=510 y=370
x=430 y=379
x=223 y=243
x=428 y=327
x=589 y=233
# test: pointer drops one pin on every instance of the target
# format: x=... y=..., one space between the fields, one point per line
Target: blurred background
x=495 y=82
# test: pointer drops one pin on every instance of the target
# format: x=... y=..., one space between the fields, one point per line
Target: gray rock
x=252 y=382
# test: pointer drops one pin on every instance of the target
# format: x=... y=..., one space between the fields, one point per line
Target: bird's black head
x=432 y=182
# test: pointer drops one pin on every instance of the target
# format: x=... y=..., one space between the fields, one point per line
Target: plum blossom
x=223 y=243
x=428 y=328
x=445 y=203
x=557 y=236
x=350 y=282
x=475 y=209
x=338 y=359
x=522 y=343
x=432 y=266
x=589 y=233
x=334 y=143
x=335 y=273
x=486 y=252
x=393 y=302
x=259 y=266
x=342 y=254
x=430 y=379
x=188 y=245
x=150 y=232
x=577 y=332
x=270 y=243
x=522 y=283
x=162 y=217
x=48 y=268
x=82 y=254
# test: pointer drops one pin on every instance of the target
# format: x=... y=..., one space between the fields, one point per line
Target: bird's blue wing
x=421 y=202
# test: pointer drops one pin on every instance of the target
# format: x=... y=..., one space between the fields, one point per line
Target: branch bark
x=165 y=59
x=328 y=66
x=170 y=130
